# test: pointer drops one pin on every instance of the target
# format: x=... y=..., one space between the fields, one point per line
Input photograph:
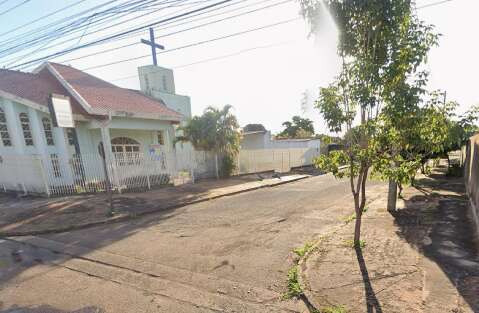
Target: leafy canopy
x=298 y=128
x=215 y=130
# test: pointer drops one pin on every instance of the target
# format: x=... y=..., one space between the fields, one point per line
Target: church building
x=135 y=129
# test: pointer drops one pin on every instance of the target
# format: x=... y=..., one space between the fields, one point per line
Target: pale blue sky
x=271 y=69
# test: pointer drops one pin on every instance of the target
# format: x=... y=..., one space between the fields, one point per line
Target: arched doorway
x=126 y=151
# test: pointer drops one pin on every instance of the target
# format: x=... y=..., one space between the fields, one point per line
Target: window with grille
x=4 y=134
x=161 y=137
x=126 y=150
x=27 y=131
x=47 y=128
x=55 y=165
x=71 y=136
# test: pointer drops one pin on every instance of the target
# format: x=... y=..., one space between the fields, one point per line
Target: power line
x=4 y=1
x=84 y=34
x=136 y=32
x=432 y=4
x=14 y=7
x=196 y=43
x=26 y=36
x=177 y=32
x=119 y=35
x=215 y=58
x=42 y=17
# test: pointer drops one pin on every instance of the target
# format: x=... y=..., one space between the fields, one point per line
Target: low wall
x=471 y=175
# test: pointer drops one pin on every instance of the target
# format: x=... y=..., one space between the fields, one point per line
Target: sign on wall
x=61 y=111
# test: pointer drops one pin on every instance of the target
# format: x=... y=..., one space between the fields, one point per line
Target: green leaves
x=298 y=128
x=332 y=163
x=216 y=130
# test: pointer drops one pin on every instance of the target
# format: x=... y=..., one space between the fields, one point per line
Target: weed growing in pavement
x=294 y=288
x=332 y=309
x=301 y=251
x=352 y=217
x=350 y=243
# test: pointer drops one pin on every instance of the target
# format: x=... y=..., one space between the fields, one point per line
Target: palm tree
x=216 y=130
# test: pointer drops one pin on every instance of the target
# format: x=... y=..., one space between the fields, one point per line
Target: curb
x=130 y=216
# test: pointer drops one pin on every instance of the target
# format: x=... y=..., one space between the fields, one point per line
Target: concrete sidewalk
x=423 y=259
x=21 y=217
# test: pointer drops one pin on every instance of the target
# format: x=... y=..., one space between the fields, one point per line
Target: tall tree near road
x=381 y=44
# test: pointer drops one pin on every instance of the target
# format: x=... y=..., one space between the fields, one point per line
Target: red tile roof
x=103 y=96
x=34 y=87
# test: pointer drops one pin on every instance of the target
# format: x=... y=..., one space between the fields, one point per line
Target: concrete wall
x=471 y=176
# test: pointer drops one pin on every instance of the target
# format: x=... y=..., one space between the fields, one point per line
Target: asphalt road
x=226 y=255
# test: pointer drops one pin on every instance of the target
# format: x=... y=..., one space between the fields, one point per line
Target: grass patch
x=333 y=309
x=301 y=251
x=294 y=288
x=350 y=243
x=352 y=217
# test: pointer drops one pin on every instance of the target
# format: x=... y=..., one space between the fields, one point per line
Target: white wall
x=159 y=83
x=263 y=140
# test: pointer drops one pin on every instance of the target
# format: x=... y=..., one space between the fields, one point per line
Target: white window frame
x=26 y=129
x=4 y=133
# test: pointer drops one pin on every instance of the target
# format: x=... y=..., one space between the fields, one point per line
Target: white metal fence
x=86 y=173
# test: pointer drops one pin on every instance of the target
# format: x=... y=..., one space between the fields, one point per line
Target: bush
x=227 y=166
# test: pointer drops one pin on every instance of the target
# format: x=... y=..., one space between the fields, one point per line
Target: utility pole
x=153 y=45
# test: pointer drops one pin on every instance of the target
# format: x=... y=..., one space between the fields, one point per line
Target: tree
x=216 y=130
x=254 y=128
x=381 y=43
x=298 y=128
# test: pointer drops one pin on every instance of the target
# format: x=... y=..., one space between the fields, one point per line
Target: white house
x=262 y=139
x=136 y=129
x=261 y=151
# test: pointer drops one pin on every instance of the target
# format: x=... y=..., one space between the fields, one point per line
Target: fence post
x=216 y=166
x=289 y=160
x=192 y=163
x=239 y=164
x=107 y=179
x=44 y=177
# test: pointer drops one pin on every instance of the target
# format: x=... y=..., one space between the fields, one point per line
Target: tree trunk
x=357 y=229
x=448 y=162
x=392 y=196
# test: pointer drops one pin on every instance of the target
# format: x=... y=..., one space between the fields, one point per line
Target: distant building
x=296 y=151
x=262 y=139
